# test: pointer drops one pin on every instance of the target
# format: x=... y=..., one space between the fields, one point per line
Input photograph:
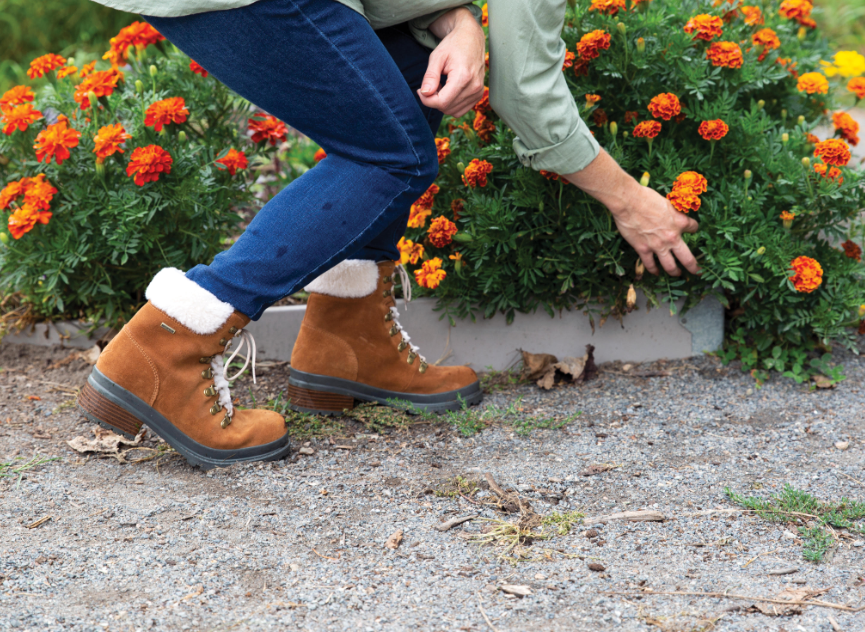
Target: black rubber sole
x=106 y=397
x=325 y=395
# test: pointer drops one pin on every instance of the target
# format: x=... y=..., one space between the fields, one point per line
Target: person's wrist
x=451 y=21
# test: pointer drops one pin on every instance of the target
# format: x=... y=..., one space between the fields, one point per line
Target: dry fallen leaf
x=548 y=379
x=535 y=365
x=394 y=540
x=788 y=594
x=572 y=366
x=519 y=591
x=821 y=381
x=105 y=442
x=597 y=469
x=644 y=515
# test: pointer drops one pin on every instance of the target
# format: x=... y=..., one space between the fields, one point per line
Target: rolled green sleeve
x=419 y=27
x=528 y=88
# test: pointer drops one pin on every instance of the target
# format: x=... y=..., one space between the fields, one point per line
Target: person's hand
x=644 y=218
x=460 y=56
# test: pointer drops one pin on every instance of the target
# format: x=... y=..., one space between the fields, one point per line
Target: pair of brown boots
x=166 y=369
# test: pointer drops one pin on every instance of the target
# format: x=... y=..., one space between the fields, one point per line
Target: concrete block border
x=641 y=337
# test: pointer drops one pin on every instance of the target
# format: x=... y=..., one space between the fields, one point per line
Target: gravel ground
x=300 y=543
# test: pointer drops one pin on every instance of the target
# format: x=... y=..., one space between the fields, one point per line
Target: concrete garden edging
x=487 y=343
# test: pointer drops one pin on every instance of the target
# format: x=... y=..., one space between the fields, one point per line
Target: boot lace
x=221 y=379
x=414 y=350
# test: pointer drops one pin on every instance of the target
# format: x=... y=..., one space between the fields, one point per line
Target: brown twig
x=486 y=618
x=715 y=595
x=335 y=559
x=757 y=556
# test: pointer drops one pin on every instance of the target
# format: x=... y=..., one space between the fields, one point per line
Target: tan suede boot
x=352 y=347
x=165 y=369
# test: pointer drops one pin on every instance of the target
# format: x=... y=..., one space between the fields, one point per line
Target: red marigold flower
x=610 y=7
x=146 y=163
x=549 y=175
x=19 y=117
x=41 y=66
x=852 y=250
x=23 y=220
x=591 y=43
x=170 y=110
x=569 y=59
x=409 y=252
x=684 y=200
x=233 y=161
x=768 y=39
x=830 y=173
x=428 y=198
x=101 y=83
x=320 y=155
x=430 y=274
x=692 y=181
x=108 y=140
x=647 y=129
x=484 y=104
x=631 y=116
x=753 y=16
x=808 y=274
x=38 y=192
x=197 y=68
x=484 y=127
x=485 y=15
x=11 y=192
x=417 y=216
x=857 y=87
x=443 y=149
x=18 y=95
x=441 y=232
x=847 y=126
x=799 y=10
x=599 y=117
x=834 y=152
x=665 y=106
x=458 y=208
x=707 y=27
x=265 y=127
x=725 y=55
x=55 y=141
x=713 y=130
x=812 y=139
x=87 y=69
x=138 y=34
x=64 y=72
x=476 y=173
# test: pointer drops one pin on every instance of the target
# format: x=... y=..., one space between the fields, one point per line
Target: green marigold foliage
x=530 y=241
x=107 y=236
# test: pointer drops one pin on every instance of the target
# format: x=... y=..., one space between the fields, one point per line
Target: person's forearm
x=449 y=21
x=607 y=182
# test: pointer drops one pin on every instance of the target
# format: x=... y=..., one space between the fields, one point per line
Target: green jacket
x=527 y=86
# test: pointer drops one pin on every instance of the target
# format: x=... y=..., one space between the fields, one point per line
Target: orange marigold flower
x=631 y=116
x=768 y=39
x=591 y=43
x=55 y=141
x=847 y=126
x=38 y=193
x=441 y=232
x=610 y=7
x=485 y=15
x=23 y=220
x=428 y=197
x=458 y=208
x=725 y=55
x=108 y=140
x=146 y=163
x=665 y=106
x=41 y=66
x=265 y=127
x=834 y=152
x=813 y=83
x=320 y=154
x=18 y=95
x=569 y=59
x=591 y=99
x=799 y=10
x=647 y=129
x=787 y=218
x=549 y=175
x=713 y=130
x=476 y=173
x=707 y=27
x=812 y=139
x=857 y=87
x=197 y=68
x=457 y=256
x=692 y=181
x=808 y=274
x=430 y=274
x=233 y=161
x=852 y=250
x=753 y=16
x=66 y=71
x=170 y=110
x=684 y=200
x=19 y=117
x=101 y=83
x=409 y=252
x=138 y=34
x=443 y=149
x=484 y=127
x=11 y=192
x=87 y=69
x=417 y=216
x=484 y=104
x=830 y=173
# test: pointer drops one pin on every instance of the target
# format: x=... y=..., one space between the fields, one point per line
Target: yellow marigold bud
x=4 y=237
x=622 y=28
x=614 y=128
x=640 y=269
x=761 y=104
x=802 y=33
x=92 y=99
x=861 y=307
x=625 y=134
x=784 y=115
x=181 y=136
x=100 y=169
x=761 y=250
x=785 y=138
x=806 y=162
x=139 y=85
x=153 y=70
x=461 y=166
x=748 y=174
x=641 y=45
x=645 y=179
x=801 y=119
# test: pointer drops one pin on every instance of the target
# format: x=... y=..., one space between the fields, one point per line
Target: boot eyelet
x=210 y=391
x=387 y=279
x=393 y=331
x=232 y=330
x=207 y=373
x=401 y=346
x=423 y=367
x=214 y=410
x=386 y=293
x=411 y=356
x=223 y=342
x=226 y=421
x=205 y=360
x=388 y=317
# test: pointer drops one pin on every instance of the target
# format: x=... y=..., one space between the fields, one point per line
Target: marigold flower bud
x=181 y=136
x=748 y=174
x=785 y=138
x=802 y=33
x=801 y=119
x=761 y=250
x=153 y=70
x=100 y=169
x=806 y=162
x=641 y=45
x=139 y=85
x=462 y=237
x=541 y=206
x=784 y=115
x=92 y=99
x=861 y=307
x=622 y=28
x=640 y=269
x=761 y=104
x=461 y=166
x=625 y=134
x=4 y=237
x=614 y=128
x=645 y=179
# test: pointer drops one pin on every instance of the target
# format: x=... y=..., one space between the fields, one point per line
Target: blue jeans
x=318 y=66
